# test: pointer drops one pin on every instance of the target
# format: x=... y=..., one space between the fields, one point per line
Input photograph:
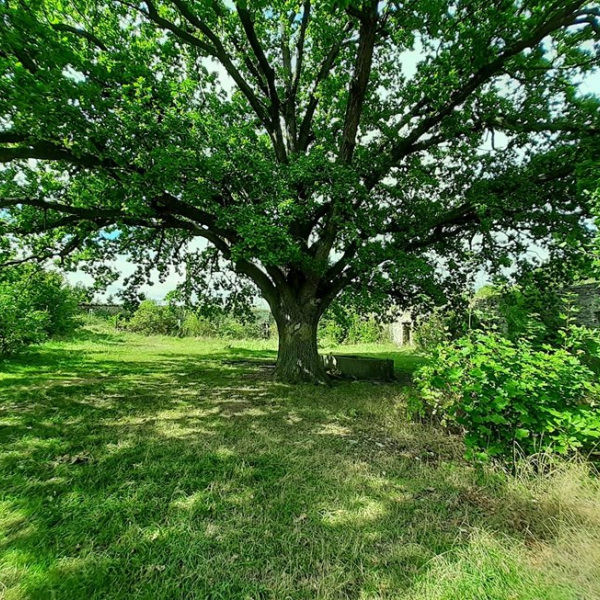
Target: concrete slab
x=359 y=367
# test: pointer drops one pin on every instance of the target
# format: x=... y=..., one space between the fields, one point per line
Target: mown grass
x=135 y=467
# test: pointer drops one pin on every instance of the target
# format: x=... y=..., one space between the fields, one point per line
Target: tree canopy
x=378 y=148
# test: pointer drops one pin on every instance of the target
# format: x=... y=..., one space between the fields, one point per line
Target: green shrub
x=331 y=331
x=236 y=329
x=20 y=323
x=50 y=294
x=503 y=393
x=198 y=326
x=584 y=343
x=152 y=318
x=364 y=330
x=34 y=305
x=443 y=325
x=340 y=325
x=432 y=331
x=525 y=311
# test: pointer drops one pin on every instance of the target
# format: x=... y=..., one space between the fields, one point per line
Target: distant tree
x=82 y=293
x=380 y=149
x=131 y=300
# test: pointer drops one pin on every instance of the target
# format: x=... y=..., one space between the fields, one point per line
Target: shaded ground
x=136 y=467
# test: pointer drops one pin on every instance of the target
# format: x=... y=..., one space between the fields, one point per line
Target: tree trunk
x=298 y=358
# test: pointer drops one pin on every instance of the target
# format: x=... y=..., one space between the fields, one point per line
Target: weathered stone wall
x=585 y=298
x=107 y=309
x=402 y=330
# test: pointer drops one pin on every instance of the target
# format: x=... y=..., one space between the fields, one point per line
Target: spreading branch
x=78 y=32
x=564 y=17
x=313 y=100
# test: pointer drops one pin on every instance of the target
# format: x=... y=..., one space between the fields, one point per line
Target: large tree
x=381 y=149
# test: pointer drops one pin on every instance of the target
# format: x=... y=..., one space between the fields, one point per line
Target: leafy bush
x=340 y=325
x=152 y=318
x=431 y=332
x=526 y=311
x=20 y=323
x=435 y=329
x=198 y=326
x=364 y=330
x=520 y=311
x=583 y=342
x=443 y=325
x=34 y=305
x=503 y=393
x=49 y=293
x=331 y=330
x=235 y=329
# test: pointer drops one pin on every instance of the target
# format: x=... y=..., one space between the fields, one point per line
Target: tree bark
x=298 y=359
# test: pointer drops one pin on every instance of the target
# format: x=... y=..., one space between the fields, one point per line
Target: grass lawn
x=157 y=468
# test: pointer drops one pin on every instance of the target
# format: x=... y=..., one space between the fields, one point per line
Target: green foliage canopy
x=384 y=148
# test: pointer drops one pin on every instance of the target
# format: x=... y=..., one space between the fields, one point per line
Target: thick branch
x=358 y=89
x=169 y=204
x=200 y=224
x=563 y=18
x=325 y=69
x=77 y=211
x=178 y=31
x=263 y=282
x=90 y=37
x=11 y=137
x=263 y=63
x=48 y=151
x=269 y=74
x=360 y=81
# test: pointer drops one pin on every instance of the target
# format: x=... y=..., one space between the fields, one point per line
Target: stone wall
x=106 y=309
x=402 y=330
x=586 y=299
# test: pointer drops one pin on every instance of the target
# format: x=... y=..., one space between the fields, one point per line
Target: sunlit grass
x=134 y=467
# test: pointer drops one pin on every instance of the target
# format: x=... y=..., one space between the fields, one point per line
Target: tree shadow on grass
x=180 y=478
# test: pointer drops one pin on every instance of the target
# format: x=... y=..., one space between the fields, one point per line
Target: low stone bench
x=359 y=367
